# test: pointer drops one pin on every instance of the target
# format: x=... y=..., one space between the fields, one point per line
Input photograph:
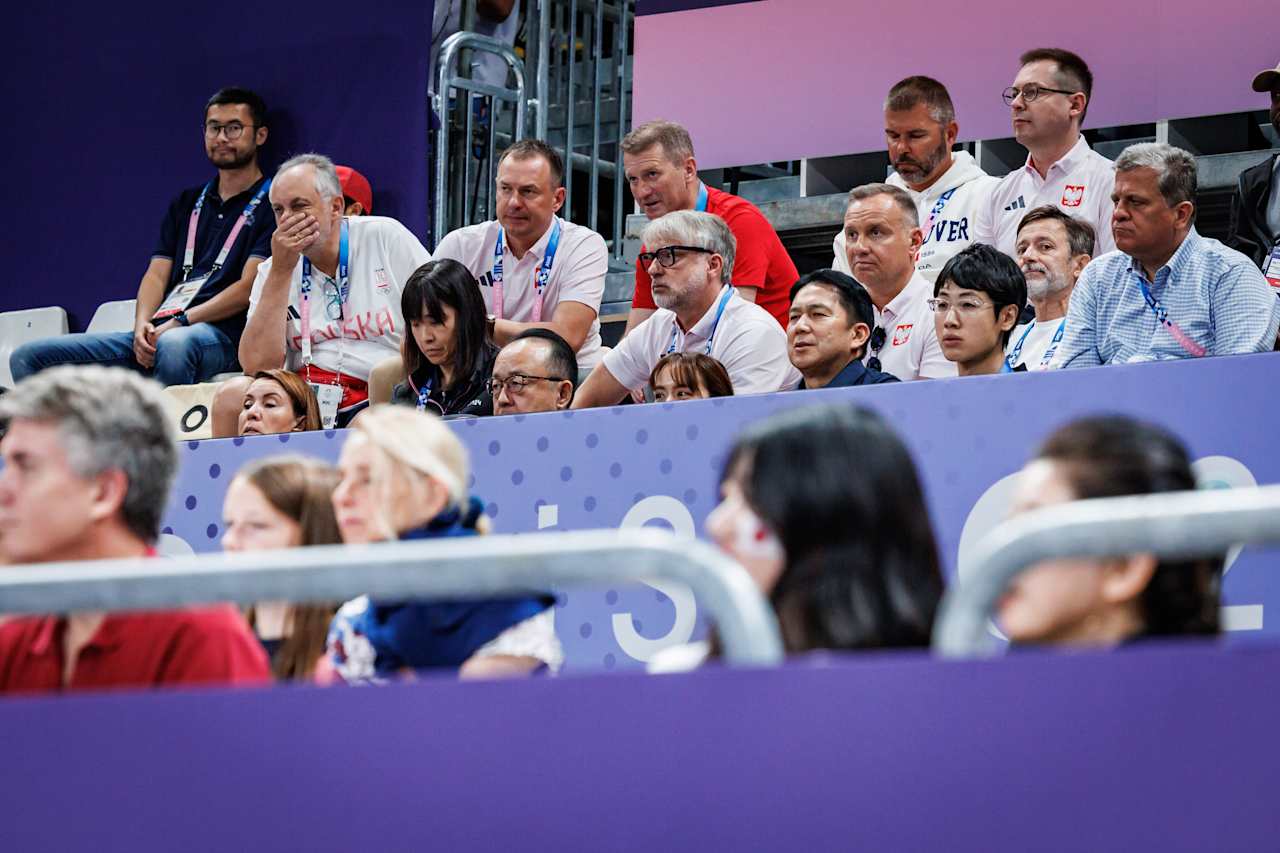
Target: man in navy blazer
x=828 y=330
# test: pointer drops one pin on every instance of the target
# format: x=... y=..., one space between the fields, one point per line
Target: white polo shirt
x=1035 y=344
x=1079 y=184
x=747 y=340
x=370 y=325
x=577 y=274
x=911 y=349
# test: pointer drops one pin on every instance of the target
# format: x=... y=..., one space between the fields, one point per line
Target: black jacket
x=1249 y=233
x=469 y=397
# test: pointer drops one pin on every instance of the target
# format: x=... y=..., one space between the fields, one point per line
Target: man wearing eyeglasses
x=534 y=373
x=191 y=302
x=689 y=258
x=1048 y=100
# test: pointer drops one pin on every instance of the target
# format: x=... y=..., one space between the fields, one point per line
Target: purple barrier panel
x=1150 y=749
x=660 y=464
x=784 y=79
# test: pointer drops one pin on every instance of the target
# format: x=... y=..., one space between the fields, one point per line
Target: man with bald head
x=326 y=304
x=534 y=373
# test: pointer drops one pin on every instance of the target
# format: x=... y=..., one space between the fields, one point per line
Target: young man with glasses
x=976 y=303
x=191 y=302
x=534 y=373
x=689 y=259
x=882 y=238
x=1048 y=101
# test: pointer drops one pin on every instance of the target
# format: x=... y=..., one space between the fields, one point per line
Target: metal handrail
x=442 y=568
x=1179 y=524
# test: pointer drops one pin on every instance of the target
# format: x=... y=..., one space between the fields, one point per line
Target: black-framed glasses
x=666 y=256
x=876 y=343
x=1029 y=93
x=233 y=129
x=516 y=383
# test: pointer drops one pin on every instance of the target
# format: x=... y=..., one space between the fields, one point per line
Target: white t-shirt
x=951 y=230
x=1035 y=343
x=911 y=349
x=383 y=254
x=748 y=341
x=1079 y=184
x=577 y=274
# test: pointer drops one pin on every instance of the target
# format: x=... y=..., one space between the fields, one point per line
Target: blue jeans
x=184 y=355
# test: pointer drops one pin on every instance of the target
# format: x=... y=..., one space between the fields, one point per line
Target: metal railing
x=1181 y=524
x=475 y=567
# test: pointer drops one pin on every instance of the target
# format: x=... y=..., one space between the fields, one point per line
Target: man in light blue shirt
x=1166 y=292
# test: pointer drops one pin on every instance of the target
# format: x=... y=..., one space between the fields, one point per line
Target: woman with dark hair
x=1108 y=602
x=278 y=401
x=689 y=376
x=448 y=358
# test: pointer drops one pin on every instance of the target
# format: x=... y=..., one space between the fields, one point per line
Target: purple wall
x=104 y=106
x=785 y=79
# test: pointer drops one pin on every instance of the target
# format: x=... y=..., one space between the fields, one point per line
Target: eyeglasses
x=516 y=383
x=1029 y=93
x=964 y=307
x=233 y=130
x=876 y=342
x=666 y=256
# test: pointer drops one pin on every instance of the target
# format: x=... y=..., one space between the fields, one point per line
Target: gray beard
x=1040 y=289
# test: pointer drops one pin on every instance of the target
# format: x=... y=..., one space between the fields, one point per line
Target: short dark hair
x=432 y=286
x=988 y=270
x=1080 y=234
x=561 y=360
x=853 y=297
x=236 y=95
x=1073 y=71
x=919 y=89
x=1115 y=455
x=528 y=148
x=695 y=370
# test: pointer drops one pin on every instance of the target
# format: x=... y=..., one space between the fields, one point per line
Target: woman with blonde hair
x=403 y=475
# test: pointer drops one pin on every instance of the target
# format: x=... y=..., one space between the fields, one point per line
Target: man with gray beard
x=1053 y=248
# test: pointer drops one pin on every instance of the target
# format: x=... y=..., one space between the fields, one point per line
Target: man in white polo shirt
x=1049 y=99
x=326 y=304
x=689 y=256
x=882 y=238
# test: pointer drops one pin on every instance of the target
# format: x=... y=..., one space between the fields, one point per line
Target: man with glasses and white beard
x=1053 y=249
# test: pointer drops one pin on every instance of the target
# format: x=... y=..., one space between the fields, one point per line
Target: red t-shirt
x=208 y=645
x=761 y=260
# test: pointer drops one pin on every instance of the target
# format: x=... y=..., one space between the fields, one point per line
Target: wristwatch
x=181 y=317
x=490 y=324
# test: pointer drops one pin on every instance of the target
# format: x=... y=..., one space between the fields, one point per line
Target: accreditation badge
x=329 y=397
x=179 y=298
x=1272 y=267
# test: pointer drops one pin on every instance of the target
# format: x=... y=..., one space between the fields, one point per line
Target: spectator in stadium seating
x=89 y=459
x=536 y=372
x=191 y=302
x=689 y=376
x=284 y=502
x=535 y=269
x=278 y=401
x=404 y=476
x=831 y=320
x=1168 y=292
x=1255 y=208
x=446 y=356
x=658 y=160
x=498 y=19
x=976 y=303
x=882 y=236
x=1049 y=99
x=1108 y=602
x=689 y=260
x=357 y=195
x=351 y=272
x=1053 y=249
x=947 y=187
x=847 y=562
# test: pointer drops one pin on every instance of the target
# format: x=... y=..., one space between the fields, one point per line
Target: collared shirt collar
x=898 y=304
x=538 y=249
x=1176 y=261
x=48 y=639
x=1065 y=163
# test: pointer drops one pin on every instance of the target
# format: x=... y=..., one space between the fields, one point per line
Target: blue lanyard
x=937 y=208
x=1016 y=353
x=424 y=394
x=540 y=277
x=675 y=328
x=344 y=269
x=1192 y=347
x=701 y=206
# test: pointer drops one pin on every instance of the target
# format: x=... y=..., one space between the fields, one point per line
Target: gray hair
x=694 y=228
x=1175 y=169
x=898 y=194
x=109 y=418
x=327 y=183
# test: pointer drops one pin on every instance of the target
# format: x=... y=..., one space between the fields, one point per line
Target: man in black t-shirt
x=194 y=294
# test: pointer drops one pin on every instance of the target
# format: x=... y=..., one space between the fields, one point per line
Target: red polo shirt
x=760 y=261
x=208 y=645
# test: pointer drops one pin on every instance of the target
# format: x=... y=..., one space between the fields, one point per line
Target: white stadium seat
x=113 y=317
x=18 y=327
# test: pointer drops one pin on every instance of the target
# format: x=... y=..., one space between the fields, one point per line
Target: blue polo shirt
x=216 y=221
x=855 y=373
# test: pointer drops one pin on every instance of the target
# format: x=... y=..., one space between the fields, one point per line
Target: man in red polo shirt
x=658 y=160
x=89 y=458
